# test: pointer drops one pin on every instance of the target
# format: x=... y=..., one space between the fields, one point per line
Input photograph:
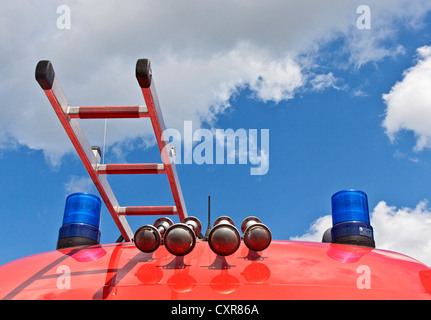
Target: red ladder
x=69 y=116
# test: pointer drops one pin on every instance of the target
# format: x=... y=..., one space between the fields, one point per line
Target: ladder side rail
x=151 y=100
x=144 y=77
x=46 y=77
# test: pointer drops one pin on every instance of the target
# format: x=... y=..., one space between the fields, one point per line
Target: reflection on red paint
x=224 y=283
x=347 y=253
x=88 y=254
x=181 y=282
x=256 y=273
x=149 y=274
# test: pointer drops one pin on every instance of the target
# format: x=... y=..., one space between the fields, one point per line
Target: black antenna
x=207 y=233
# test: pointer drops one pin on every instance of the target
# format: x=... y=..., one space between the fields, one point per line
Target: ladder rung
x=105 y=112
x=131 y=168
x=147 y=211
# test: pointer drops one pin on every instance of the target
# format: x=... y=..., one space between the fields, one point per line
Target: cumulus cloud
x=316 y=230
x=202 y=54
x=379 y=42
x=79 y=184
x=323 y=81
x=409 y=102
x=404 y=230
x=212 y=81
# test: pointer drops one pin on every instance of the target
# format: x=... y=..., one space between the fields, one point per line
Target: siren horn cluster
x=224 y=238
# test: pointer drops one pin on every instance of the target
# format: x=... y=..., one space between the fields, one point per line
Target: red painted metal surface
x=131 y=168
x=148 y=210
x=285 y=270
x=108 y=112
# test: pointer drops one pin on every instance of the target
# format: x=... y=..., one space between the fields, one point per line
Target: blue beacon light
x=81 y=221
x=351 y=219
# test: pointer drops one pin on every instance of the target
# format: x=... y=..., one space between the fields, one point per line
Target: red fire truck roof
x=285 y=270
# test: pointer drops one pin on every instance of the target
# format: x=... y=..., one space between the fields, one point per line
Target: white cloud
x=202 y=55
x=212 y=81
x=316 y=230
x=404 y=230
x=323 y=81
x=409 y=102
x=379 y=42
x=79 y=184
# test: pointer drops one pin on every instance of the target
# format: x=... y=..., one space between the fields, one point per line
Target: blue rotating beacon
x=351 y=219
x=81 y=221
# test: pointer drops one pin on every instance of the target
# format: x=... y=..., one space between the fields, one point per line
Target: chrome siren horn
x=257 y=236
x=163 y=224
x=148 y=238
x=180 y=239
x=224 y=239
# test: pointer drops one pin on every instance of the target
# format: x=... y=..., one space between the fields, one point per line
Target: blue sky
x=345 y=108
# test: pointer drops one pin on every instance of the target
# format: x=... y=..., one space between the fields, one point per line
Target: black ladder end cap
x=143 y=73
x=45 y=74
